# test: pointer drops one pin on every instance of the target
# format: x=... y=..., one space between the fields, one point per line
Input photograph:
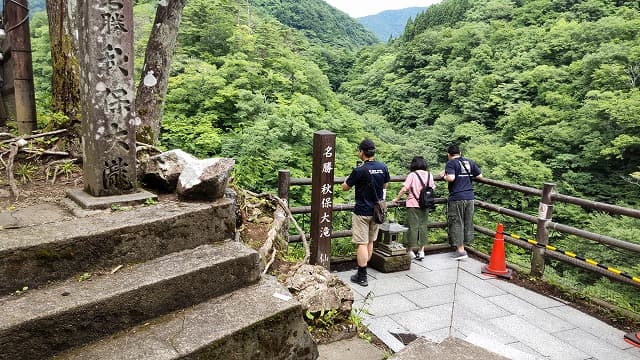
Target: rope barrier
x=575 y=256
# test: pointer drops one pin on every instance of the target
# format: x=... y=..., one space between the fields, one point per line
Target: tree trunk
x=65 y=80
x=157 y=65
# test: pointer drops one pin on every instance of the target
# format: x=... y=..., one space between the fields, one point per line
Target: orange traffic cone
x=633 y=339
x=497 y=264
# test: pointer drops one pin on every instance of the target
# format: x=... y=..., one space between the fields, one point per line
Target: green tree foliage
x=447 y=13
x=333 y=35
x=254 y=93
x=559 y=79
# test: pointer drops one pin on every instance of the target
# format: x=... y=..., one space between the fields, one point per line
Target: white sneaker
x=412 y=254
x=420 y=255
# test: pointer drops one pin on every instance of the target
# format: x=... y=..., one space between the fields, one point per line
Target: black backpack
x=427 y=198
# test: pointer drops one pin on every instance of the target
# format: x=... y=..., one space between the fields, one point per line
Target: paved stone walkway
x=439 y=298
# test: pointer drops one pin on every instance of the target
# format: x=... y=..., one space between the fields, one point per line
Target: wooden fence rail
x=543 y=222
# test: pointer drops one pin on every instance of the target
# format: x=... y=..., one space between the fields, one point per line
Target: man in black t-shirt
x=370 y=180
x=459 y=173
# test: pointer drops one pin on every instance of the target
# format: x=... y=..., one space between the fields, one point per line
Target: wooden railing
x=539 y=247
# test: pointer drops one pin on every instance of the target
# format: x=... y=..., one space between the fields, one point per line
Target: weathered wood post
x=19 y=40
x=107 y=96
x=324 y=145
x=545 y=211
x=284 y=181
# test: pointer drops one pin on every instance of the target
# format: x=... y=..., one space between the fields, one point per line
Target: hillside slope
x=319 y=22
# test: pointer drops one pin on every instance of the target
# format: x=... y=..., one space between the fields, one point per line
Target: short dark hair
x=368 y=147
x=418 y=163
x=453 y=149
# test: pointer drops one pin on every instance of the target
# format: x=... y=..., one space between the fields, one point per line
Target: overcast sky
x=360 y=8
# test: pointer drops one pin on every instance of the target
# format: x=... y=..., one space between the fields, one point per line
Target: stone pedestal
x=387 y=264
x=88 y=201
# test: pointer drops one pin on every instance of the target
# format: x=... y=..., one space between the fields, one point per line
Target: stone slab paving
x=431 y=296
x=593 y=345
x=477 y=285
x=440 y=298
x=391 y=304
x=541 y=341
x=526 y=349
x=466 y=321
x=538 y=300
x=384 y=328
x=541 y=318
x=509 y=352
x=592 y=325
x=482 y=308
x=437 y=336
x=427 y=319
x=437 y=277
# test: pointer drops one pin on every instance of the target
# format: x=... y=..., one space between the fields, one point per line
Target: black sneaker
x=362 y=281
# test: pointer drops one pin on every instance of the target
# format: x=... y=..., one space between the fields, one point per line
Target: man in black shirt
x=459 y=173
x=370 y=180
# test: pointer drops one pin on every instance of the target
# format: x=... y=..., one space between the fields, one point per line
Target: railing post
x=324 y=146
x=284 y=181
x=545 y=211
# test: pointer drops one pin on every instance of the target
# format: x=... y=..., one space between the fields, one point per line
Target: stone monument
x=106 y=55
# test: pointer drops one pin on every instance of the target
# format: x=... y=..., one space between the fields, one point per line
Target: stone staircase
x=157 y=282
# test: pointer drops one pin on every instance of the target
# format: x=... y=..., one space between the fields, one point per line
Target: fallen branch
x=305 y=244
x=57 y=168
x=34 y=136
x=63 y=161
x=142 y=147
x=115 y=269
x=273 y=258
x=45 y=152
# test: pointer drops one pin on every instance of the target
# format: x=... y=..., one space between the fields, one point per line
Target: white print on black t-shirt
x=463 y=169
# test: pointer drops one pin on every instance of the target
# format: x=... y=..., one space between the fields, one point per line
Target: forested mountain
x=334 y=35
x=390 y=23
x=319 y=22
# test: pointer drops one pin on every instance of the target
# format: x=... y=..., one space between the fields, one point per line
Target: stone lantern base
x=387 y=264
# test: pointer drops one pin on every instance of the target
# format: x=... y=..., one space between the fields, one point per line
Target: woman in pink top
x=417 y=218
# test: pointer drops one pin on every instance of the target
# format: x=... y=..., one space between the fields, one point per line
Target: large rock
x=319 y=290
x=205 y=179
x=163 y=170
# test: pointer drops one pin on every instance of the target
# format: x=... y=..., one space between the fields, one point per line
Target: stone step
x=257 y=322
x=70 y=313
x=34 y=255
